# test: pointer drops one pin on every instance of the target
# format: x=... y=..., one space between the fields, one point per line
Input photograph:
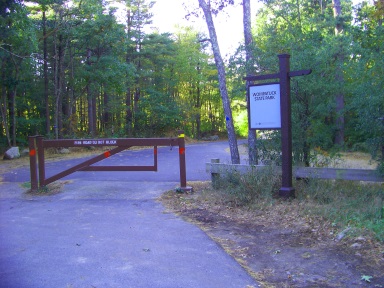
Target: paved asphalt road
x=106 y=229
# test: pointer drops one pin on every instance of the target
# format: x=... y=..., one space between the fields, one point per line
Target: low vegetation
x=343 y=203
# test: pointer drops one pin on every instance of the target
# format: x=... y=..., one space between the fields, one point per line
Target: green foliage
x=162 y=115
x=367 y=105
x=17 y=52
x=114 y=77
x=247 y=189
x=269 y=147
x=240 y=119
x=306 y=31
x=306 y=34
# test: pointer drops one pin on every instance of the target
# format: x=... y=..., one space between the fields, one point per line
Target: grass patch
x=347 y=203
x=250 y=189
x=26 y=185
x=51 y=189
x=343 y=203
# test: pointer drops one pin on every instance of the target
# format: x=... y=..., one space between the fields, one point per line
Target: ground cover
x=330 y=235
x=281 y=245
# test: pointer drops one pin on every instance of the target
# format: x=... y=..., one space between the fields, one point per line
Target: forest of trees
x=73 y=69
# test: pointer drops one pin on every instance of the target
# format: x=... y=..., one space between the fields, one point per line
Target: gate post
x=32 y=162
x=183 y=173
x=41 y=159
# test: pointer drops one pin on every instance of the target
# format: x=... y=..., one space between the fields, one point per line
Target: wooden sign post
x=284 y=75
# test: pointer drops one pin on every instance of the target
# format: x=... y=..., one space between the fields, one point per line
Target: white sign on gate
x=264 y=106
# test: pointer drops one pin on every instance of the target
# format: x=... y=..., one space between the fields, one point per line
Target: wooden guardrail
x=215 y=168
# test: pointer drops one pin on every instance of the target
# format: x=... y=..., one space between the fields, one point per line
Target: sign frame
x=284 y=75
x=268 y=115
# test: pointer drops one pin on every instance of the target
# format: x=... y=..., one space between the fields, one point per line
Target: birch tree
x=339 y=137
x=252 y=138
x=207 y=10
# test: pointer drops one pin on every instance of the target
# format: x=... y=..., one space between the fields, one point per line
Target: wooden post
x=286 y=189
x=215 y=177
x=33 y=162
x=41 y=160
x=183 y=172
x=155 y=157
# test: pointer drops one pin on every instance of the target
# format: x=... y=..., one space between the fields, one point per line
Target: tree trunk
x=59 y=83
x=232 y=141
x=91 y=105
x=61 y=86
x=339 y=137
x=46 y=96
x=12 y=102
x=3 y=106
x=252 y=137
x=128 y=97
x=106 y=115
x=198 y=111
x=12 y=114
x=128 y=112
x=56 y=87
x=72 y=125
x=137 y=95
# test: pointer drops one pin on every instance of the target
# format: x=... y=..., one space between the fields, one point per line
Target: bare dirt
x=280 y=249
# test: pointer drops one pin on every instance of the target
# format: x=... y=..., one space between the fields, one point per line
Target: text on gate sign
x=94 y=142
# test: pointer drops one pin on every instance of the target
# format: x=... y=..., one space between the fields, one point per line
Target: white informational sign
x=264 y=106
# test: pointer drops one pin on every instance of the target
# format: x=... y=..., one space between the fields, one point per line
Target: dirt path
x=279 y=250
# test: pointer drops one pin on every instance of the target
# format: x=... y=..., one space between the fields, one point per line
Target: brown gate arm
x=112 y=142
x=82 y=165
x=125 y=168
x=37 y=144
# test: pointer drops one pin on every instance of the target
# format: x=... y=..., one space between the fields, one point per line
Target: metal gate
x=37 y=144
